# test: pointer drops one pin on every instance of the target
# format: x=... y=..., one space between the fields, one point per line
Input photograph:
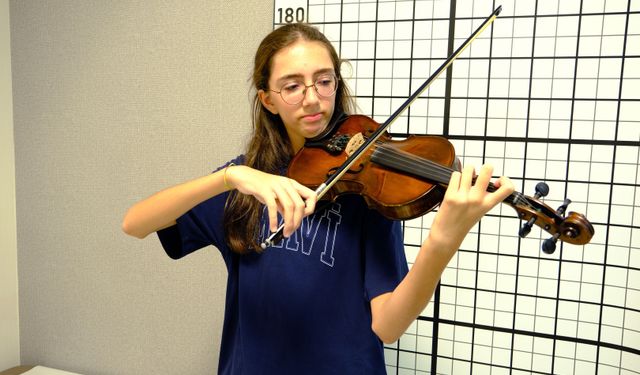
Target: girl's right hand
x=278 y=193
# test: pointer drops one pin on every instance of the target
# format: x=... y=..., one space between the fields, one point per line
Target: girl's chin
x=315 y=131
x=312 y=129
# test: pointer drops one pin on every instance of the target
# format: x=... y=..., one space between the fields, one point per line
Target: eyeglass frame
x=306 y=87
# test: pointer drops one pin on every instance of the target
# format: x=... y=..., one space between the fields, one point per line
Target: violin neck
x=426 y=169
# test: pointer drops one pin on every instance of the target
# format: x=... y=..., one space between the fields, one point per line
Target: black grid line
x=602 y=296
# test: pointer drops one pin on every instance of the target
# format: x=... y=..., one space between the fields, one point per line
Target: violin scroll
x=574 y=228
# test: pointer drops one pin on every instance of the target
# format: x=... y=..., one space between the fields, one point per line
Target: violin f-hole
x=350 y=170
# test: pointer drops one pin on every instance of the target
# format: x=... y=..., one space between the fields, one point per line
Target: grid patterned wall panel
x=550 y=92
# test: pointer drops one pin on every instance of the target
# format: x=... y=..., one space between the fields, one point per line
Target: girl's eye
x=291 y=87
x=324 y=81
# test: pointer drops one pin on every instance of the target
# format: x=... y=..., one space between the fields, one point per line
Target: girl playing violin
x=326 y=298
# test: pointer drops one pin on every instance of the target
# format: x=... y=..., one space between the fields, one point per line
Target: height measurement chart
x=548 y=93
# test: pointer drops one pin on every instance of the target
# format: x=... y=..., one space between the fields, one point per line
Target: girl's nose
x=310 y=95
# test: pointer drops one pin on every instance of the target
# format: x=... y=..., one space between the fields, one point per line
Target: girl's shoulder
x=238 y=160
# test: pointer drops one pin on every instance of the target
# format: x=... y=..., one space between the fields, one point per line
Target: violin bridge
x=354 y=143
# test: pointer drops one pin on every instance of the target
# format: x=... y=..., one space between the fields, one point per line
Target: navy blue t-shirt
x=302 y=306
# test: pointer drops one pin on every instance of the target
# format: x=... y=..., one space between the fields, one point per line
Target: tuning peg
x=549 y=245
x=526 y=227
x=561 y=210
x=542 y=189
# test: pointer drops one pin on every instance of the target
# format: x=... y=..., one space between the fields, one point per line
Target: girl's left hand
x=465 y=203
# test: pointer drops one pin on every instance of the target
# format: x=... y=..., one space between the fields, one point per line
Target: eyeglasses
x=293 y=92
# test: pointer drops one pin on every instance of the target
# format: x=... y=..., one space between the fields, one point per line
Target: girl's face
x=303 y=62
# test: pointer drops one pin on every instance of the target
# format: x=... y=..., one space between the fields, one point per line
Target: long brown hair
x=269 y=149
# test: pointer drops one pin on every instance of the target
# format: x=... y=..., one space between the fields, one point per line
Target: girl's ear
x=265 y=99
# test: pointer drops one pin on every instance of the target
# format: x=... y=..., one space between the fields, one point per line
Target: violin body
x=396 y=195
x=404 y=179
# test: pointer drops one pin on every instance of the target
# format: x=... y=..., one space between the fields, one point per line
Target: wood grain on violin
x=404 y=179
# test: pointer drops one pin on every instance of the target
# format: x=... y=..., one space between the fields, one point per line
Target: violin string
x=437 y=171
x=408 y=162
x=432 y=170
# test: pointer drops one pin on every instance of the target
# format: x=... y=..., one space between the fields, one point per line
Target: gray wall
x=9 y=335
x=112 y=102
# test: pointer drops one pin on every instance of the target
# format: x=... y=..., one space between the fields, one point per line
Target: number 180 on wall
x=289 y=11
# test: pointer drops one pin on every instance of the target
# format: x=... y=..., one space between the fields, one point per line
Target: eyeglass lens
x=294 y=92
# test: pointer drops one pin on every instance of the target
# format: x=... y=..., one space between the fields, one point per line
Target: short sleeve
x=385 y=260
x=199 y=227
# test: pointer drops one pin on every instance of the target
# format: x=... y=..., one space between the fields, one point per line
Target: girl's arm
x=464 y=204
x=277 y=193
x=163 y=208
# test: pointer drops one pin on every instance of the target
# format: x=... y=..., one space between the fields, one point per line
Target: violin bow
x=277 y=236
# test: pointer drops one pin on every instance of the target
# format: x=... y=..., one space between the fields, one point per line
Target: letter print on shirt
x=317 y=231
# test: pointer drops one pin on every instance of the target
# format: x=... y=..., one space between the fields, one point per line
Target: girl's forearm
x=397 y=310
x=163 y=208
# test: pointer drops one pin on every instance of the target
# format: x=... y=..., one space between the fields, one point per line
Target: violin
x=404 y=179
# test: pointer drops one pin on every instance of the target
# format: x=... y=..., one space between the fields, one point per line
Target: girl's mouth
x=313 y=118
